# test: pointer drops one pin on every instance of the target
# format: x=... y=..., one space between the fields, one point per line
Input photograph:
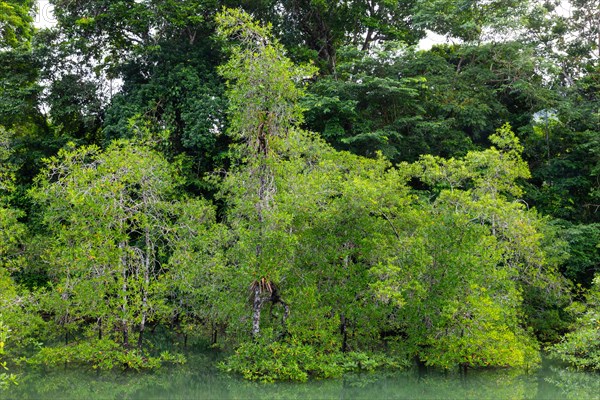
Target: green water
x=199 y=380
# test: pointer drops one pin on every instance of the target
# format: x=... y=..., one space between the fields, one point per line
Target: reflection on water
x=199 y=380
x=575 y=385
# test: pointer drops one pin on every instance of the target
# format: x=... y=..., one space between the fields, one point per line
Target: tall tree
x=472 y=252
x=18 y=69
x=264 y=113
x=444 y=101
x=318 y=29
x=108 y=215
x=469 y=20
x=123 y=69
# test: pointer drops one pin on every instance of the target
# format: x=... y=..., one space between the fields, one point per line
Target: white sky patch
x=44 y=17
x=431 y=39
x=564 y=8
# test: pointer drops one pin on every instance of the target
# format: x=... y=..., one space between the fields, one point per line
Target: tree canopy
x=299 y=185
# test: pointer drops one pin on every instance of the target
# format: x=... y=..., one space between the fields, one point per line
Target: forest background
x=298 y=184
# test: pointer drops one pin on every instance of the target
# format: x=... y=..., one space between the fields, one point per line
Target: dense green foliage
x=303 y=188
x=108 y=218
x=581 y=348
x=5 y=378
x=283 y=361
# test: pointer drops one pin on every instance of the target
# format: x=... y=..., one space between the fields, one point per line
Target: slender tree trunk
x=286 y=314
x=124 y=323
x=140 y=337
x=213 y=339
x=547 y=137
x=256 y=308
x=124 y=319
x=147 y=265
x=344 y=332
x=262 y=199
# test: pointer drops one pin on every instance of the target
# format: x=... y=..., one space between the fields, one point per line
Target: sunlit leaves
x=16 y=23
x=581 y=347
x=263 y=83
x=110 y=219
x=463 y=265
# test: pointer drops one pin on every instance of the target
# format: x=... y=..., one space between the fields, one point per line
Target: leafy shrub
x=581 y=348
x=103 y=354
x=5 y=379
x=294 y=361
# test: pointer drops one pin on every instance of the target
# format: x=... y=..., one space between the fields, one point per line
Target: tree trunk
x=124 y=323
x=256 y=308
x=147 y=265
x=124 y=316
x=344 y=332
x=213 y=339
